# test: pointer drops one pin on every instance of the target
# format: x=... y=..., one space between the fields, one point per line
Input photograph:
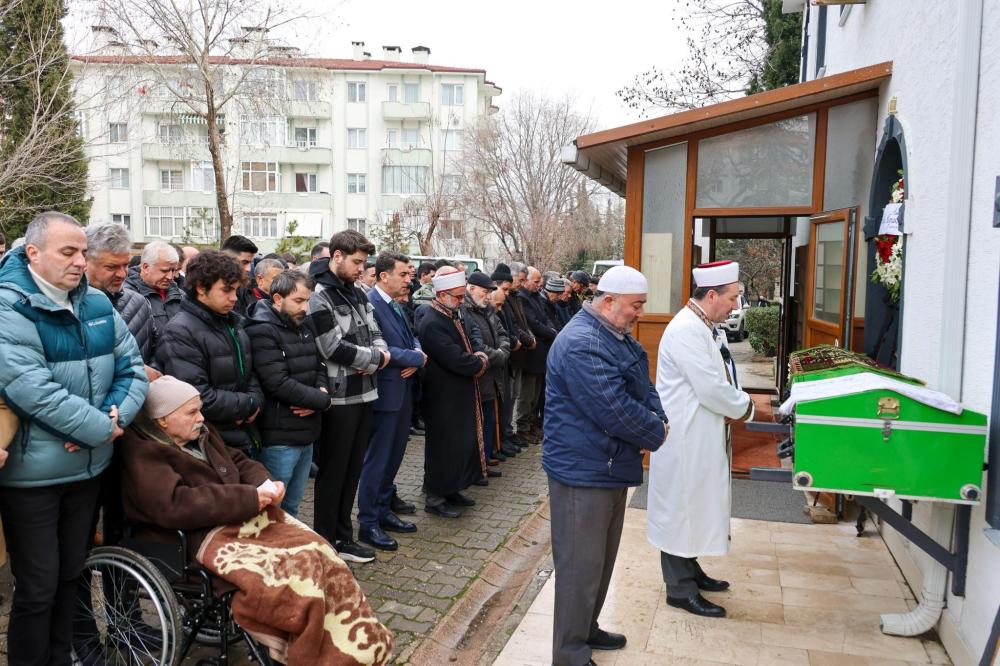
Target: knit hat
x=556 y=284
x=502 y=274
x=580 y=278
x=166 y=394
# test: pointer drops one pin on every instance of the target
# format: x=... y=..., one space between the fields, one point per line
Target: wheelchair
x=149 y=605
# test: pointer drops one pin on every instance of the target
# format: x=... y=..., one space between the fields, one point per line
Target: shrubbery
x=762 y=324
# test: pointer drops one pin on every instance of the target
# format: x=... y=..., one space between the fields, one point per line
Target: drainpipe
x=956 y=258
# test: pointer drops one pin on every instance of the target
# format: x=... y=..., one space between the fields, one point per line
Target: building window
x=201 y=223
x=119 y=179
x=411 y=92
x=411 y=137
x=392 y=138
x=118 y=132
x=305 y=182
x=305 y=91
x=392 y=92
x=266 y=131
x=165 y=221
x=260 y=176
x=403 y=179
x=357 y=183
x=171 y=179
x=123 y=219
x=357 y=137
x=81 y=124
x=266 y=82
x=451 y=184
x=260 y=225
x=202 y=177
x=451 y=139
x=170 y=134
x=452 y=94
x=357 y=224
x=451 y=229
x=305 y=137
x=357 y=91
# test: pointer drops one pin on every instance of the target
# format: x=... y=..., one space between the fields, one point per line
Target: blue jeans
x=290 y=465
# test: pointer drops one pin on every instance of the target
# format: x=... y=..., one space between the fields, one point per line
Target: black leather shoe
x=509 y=450
x=697 y=605
x=392 y=523
x=500 y=455
x=377 y=538
x=605 y=640
x=398 y=506
x=711 y=584
x=493 y=473
x=442 y=510
x=481 y=481
x=417 y=432
x=458 y=499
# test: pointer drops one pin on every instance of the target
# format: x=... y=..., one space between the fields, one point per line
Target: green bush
x=762 y=324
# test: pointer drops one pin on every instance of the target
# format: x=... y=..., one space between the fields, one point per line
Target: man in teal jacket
x=72 y=373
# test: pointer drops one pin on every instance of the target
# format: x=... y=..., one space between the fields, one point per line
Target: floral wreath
x=889 y=251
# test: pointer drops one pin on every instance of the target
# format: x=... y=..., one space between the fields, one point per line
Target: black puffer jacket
x=291 y=372
x=212 y=353
x=163 y=308
x=540 y=326
x=136 y=312
x=489 y=337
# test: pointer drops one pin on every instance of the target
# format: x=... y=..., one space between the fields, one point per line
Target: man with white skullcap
x=689 y=484
x=601 y=414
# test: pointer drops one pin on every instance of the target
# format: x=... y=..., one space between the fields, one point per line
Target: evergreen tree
x=42 y=152
x=783 y=35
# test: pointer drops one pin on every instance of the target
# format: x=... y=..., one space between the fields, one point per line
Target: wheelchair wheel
x=132 y=610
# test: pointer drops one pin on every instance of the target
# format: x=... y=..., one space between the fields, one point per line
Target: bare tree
x=220 y=59
x=734 y=47
x=514 y=180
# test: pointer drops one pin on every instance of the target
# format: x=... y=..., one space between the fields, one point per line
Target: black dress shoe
x=500 y=455
x=697 y=605
x=313 y=470
x=442 y=510
x=377 y=538
x=492 y=473
x=392 y=523
x=605 y=640
x=458 y=499
x=399 y=506
x=711 y=584
x=509 y=450
x=481 y=481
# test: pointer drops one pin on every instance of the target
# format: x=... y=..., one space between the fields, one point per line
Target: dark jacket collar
x=262 y=312
x=134 y=280
x=195 y=307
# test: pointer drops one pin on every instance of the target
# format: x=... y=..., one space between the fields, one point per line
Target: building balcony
x=406 y=111
x=194 y=198
x=398 y=202
x=281 y=201
x=407 y=157
x=176 y=151
x=293 y=154
x=297 y=108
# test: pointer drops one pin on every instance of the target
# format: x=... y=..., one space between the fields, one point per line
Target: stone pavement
x=412 y=589
x=755 y=372
x=808 y=595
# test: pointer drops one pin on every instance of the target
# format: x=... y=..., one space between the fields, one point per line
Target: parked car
x=600 y=267
x=735 y=326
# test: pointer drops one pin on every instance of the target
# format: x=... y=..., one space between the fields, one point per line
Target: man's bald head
x=534 y=281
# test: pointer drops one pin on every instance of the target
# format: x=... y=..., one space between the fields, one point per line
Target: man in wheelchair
x=293 y=594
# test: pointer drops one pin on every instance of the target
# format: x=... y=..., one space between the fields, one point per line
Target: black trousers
x=341 y=453
x=48 y=531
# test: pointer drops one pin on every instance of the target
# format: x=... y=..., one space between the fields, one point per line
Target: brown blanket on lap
x=296 y=596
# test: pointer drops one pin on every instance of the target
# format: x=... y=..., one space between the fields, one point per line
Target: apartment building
x=314 y=146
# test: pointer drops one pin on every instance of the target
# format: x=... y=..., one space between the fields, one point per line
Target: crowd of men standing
x=328 y=368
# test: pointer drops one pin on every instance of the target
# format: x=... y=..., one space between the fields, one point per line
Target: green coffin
x=884 y=443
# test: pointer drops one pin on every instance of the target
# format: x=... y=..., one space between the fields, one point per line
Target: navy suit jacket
x=404 y=350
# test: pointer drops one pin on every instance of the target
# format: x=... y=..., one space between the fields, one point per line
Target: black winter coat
x=163 y=309
x=541 y=327
x=492 y=339
x=213 y=353
x=137 y=314
x=291 y=373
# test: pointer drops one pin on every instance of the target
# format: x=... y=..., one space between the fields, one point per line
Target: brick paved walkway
x=412 y=588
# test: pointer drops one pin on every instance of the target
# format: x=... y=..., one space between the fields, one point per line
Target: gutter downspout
x=953 y=311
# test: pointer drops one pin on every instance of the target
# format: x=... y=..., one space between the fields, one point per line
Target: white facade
x=342 y=143
x=933 y=91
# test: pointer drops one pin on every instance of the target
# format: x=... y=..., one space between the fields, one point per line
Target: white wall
x=919 y=36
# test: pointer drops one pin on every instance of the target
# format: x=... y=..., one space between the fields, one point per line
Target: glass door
x=829 y=302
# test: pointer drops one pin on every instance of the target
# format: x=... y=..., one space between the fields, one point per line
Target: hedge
x=763 y=326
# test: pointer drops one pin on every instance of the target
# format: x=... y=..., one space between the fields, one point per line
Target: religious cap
x=479 y=279
x=623 y=280
x=555 y=284
x=448 y=281
x=716 y=274
x=166 y=394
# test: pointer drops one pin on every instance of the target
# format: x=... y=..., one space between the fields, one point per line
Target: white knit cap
x=166 y=394
x=623 y=280
x=449 y=281
x=716 y=274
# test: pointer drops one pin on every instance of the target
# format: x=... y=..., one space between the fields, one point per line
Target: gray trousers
x=586 y=529
x=531 y=389
x=679 y=573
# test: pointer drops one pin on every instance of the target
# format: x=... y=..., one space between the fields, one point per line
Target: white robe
x=689 y=483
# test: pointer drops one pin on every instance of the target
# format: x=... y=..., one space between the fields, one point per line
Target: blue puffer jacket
x=600 y=407
x=61 y=374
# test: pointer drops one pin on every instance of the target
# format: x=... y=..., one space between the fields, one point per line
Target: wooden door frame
x=835 y=330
